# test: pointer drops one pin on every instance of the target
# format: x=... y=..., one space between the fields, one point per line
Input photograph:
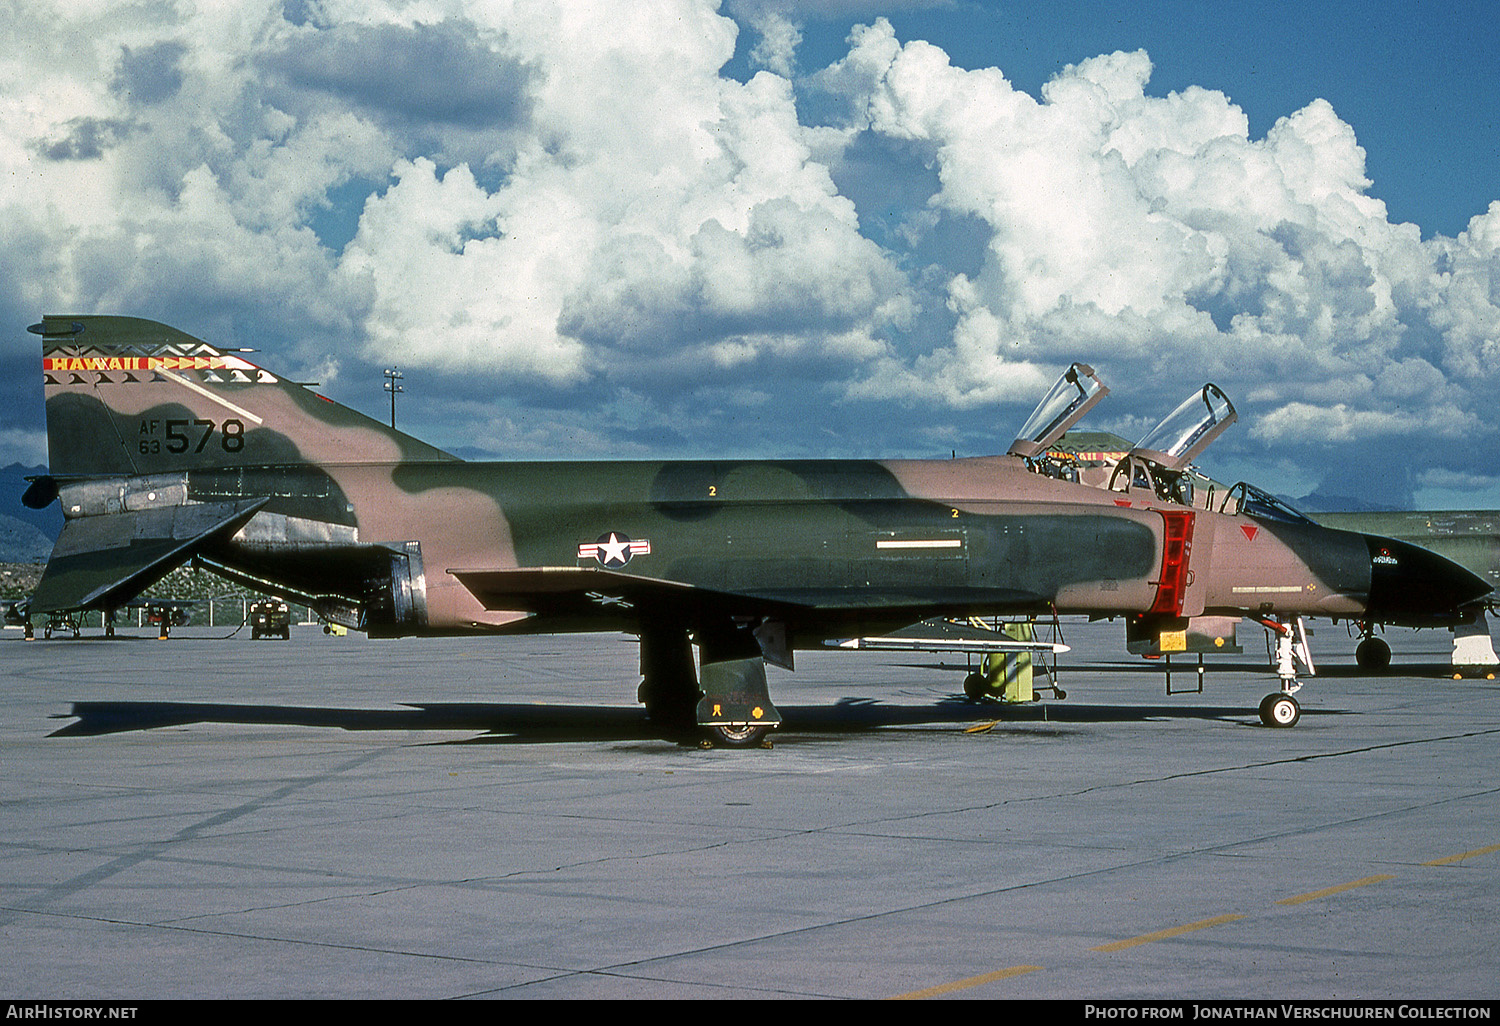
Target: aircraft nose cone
x=1408 y=583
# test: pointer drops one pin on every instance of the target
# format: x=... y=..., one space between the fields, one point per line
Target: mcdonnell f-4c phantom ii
x=166 y=449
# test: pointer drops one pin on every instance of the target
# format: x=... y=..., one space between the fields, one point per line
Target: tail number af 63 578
x=190 y=435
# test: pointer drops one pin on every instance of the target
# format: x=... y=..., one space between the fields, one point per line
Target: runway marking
x=972 y=981
x=1336 y=889
x=1175 y=931
x=1462 y=855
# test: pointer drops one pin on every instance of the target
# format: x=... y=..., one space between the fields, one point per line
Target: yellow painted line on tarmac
x=1176 y=931
x=1298 y=899
x=1463 y=855
x=972 y=981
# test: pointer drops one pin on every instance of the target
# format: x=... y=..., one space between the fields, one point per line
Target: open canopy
x=1076 y=392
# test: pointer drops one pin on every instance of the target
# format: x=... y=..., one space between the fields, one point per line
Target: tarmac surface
x=334 y=817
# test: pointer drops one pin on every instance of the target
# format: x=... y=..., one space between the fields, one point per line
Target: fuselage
x=166 y=448
x=850 y=544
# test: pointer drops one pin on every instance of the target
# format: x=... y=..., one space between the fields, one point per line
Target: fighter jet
x=165 y=448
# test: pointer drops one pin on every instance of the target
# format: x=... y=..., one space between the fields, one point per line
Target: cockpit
x=1159 y=465
x=1188 y=430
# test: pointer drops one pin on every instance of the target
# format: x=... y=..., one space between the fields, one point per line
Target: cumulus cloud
x=445 y=71
x=571 y=213
x=1152 y=236
x=150 y=74
x=661 y=223
x=85 y=138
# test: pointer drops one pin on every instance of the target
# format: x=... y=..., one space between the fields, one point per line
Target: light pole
x=393 y=385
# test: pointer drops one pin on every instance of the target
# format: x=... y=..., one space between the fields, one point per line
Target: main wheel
x=1372 y=654
x=1280 y=710
x=737 y=735
x=975 y=687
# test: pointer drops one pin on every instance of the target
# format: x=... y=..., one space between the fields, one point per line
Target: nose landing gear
x=1280 y=709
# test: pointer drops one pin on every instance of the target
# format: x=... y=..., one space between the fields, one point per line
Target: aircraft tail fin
x=129 y=396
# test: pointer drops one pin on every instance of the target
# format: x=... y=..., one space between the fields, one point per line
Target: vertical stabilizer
x=128 y=396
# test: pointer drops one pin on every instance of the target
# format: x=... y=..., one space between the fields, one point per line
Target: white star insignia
x=615 y=552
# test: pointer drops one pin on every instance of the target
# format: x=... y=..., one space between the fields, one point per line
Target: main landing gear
x=731 y=708
x=1280 y=709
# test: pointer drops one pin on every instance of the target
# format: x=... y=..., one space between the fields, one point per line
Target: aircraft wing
x=595 y=593
x=103 y=562
x=588 y=591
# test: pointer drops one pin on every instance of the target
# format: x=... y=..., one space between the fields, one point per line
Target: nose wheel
x=1280 y=710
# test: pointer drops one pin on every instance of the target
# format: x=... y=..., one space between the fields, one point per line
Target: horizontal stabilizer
x=102 y=562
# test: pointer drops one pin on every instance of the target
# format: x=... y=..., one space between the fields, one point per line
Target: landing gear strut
x=1280 y=709
x=669 y=684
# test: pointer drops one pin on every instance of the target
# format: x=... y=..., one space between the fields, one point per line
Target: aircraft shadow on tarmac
x=519 y=723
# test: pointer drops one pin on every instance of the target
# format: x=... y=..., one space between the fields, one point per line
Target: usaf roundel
x=614 y=549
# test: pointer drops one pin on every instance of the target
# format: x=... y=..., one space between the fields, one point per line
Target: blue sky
x=679 y=229
x=1418 y=82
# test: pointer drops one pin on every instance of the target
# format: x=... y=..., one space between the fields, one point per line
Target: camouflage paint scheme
x=164 y=448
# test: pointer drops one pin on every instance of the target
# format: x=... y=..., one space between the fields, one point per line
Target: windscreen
x=1261 y=505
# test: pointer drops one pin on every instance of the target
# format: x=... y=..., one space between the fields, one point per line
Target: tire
x=1372 y=654
x=1280 y=710
x=737 y=735
x=975 y=687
